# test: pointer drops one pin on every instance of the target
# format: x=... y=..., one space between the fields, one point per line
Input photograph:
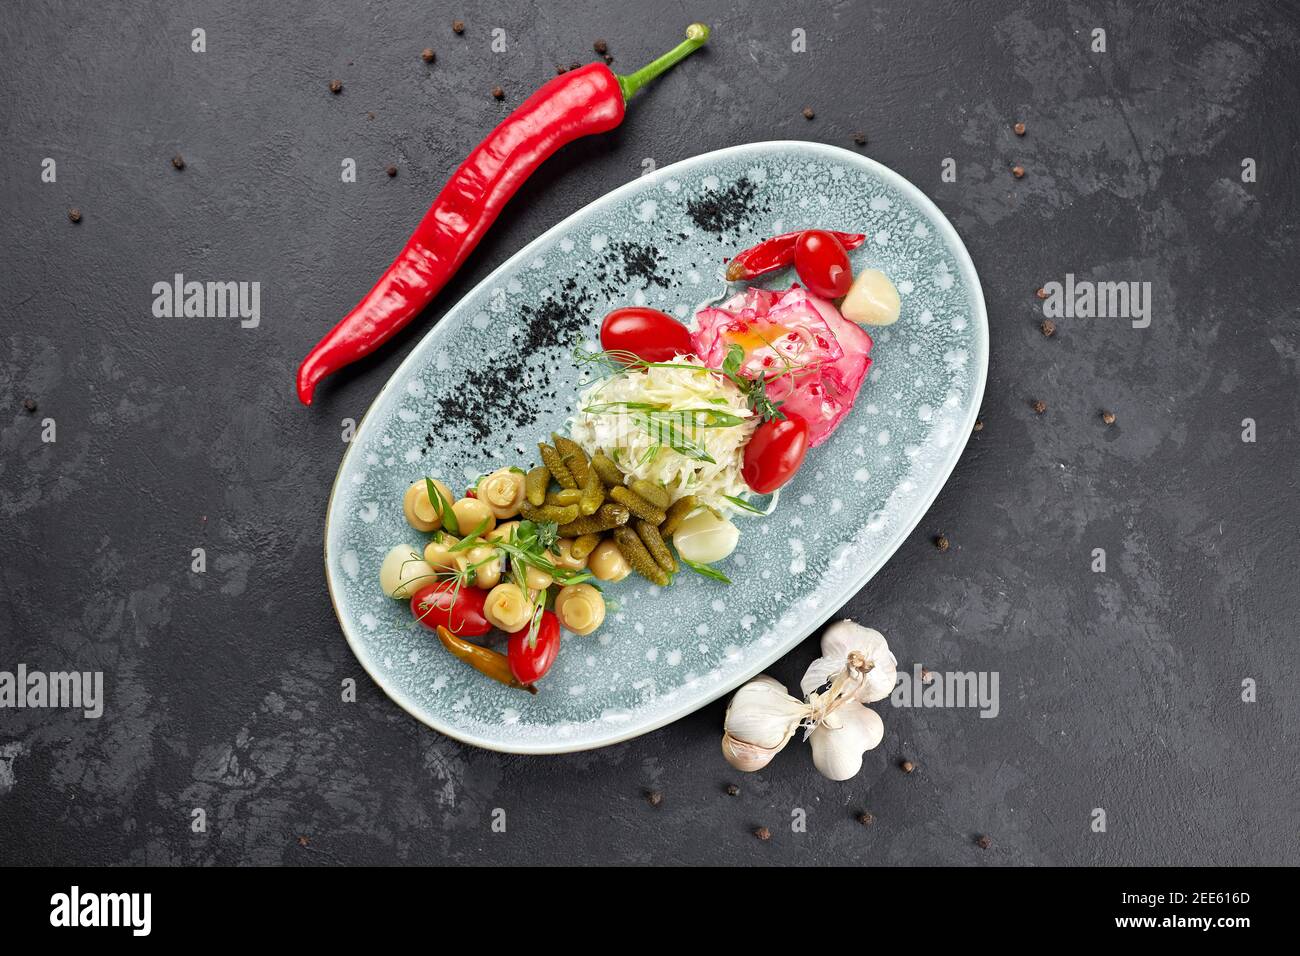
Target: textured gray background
x=1119 y=690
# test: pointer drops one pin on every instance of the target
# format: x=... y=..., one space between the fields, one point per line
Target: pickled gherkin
x=560 y=514
x=677 y=513
x=635 y=551
x=637 y=505
x=583 y=545
x=565 y=496
x=650 y=537
x=593 y=494
x=555 y=464
x=652 y=492
x=609 y=515
x=575 y=459
x=608 y=471
x=535 y=484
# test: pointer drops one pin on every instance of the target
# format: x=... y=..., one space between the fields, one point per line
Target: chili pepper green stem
x=697 y=34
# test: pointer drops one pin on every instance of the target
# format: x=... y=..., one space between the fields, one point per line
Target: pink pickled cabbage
x=815 y=360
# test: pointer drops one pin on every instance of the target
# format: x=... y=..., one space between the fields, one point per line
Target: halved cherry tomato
x=774 y=453
x=822 y=264
x=458 y=609
x=530 y=664
x=649 y=334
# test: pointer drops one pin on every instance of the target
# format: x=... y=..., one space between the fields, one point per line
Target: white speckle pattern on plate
x=662 y=653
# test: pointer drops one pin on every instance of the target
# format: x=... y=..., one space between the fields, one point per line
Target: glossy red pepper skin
x=778 y=253
x=578 y=103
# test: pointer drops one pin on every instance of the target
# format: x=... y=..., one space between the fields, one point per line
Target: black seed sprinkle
x=719 y=211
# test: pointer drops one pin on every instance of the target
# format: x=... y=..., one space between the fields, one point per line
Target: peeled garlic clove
x=705 y=538
x=404 y=572
x=871 y=300
x=841 y=739
x=762 y=714
x=747 y=757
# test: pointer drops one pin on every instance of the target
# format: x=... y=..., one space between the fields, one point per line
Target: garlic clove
x=745 y=756
x=872 y=299
x=841 y=739
x=845 y=638
x=762 y=714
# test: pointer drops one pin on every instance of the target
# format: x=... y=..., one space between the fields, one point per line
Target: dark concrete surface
x=1119 y=690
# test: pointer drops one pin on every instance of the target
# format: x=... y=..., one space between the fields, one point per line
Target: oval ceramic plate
x=660 y=240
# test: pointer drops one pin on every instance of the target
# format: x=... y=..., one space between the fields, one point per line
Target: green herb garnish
x=442 y=508
x=744 y=505
x=704 y=570
x=472 y=539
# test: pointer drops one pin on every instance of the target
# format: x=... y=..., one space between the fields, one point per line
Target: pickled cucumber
x=535 y=484
x=652 y=492
x=583 y=545
x=649 y=535
x=555 y=464
x=575 y=459
x=560 y=514
x=677 y=513
x=608 y=471
x=565 y=496
x=593 y=494
x=609 y=515
x=635 y=551
x=637 y=505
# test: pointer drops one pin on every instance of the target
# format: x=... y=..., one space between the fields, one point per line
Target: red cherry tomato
x=649 y=334
x=774 y=453
x=822 y=264
x=530 y=664
x=458 y=609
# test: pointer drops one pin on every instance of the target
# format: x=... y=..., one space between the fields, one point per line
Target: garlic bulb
x=760 y=721
x=859 y=654
x=842 y=737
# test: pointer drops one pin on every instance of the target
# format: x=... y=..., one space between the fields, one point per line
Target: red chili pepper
x=778 y=253
x=578 y=103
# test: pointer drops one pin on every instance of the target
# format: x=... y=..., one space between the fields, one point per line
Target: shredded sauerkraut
x=681 y=424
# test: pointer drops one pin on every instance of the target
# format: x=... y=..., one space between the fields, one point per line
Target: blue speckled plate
x=660 y=241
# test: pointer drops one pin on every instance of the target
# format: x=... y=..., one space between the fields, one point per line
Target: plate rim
x=969 y=273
